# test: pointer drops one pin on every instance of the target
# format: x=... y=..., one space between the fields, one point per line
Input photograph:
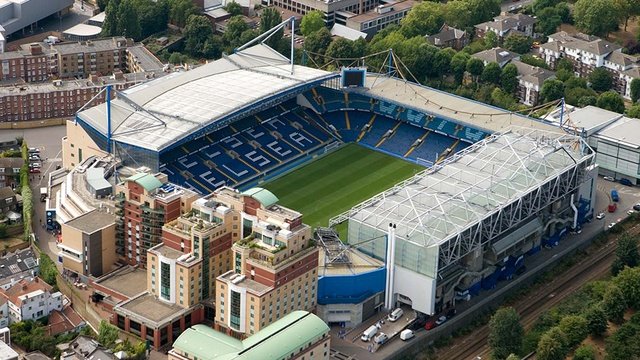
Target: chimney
x=35 y=49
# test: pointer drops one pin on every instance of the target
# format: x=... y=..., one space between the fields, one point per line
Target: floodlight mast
x=262 y=38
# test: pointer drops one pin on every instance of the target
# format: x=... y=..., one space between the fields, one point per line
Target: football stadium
x=424 y=197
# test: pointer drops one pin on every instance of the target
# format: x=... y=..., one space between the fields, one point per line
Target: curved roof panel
x=266 y=197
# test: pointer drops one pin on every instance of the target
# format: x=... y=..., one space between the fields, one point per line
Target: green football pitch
x=336 y=182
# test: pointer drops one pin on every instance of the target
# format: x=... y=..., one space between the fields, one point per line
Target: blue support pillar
x=108 y=119
x=390 y=61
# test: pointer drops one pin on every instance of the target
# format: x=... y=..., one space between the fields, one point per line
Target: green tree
x=575 y=327
x=563 y=10
x=628 y=281
x=176 y=58
x=635 y=90
x=539 y=5
x=102 y=4
x=212 y=47
x=491 y=73
x=548 y=21
x=235 y=27
x=577 y=96
x=597 y=17
x=623 y=344
x=490 y=40
x=576 y=82
x=482 y=10
x=341 y=48
x=180 y=10
x=614 y=304
x=551 y=90
x=502 y=99
x=128 y=21
x=313 y=21
x=518 y=43
x=196 y=33
x=553 y=345
x=596 y=320
x=233 y=8
x=534 y=61
x=509 y=78
x=107 y=334
x=457 y=14
x=317 y=42
x=475 y=67
x=600 y=79
x=513 y=357
x=626 y=252
x=110 y=25
x=153 y=15
x=505 y=333
x=269 y=19
x=585 y=352
x=564 y=64
x=563 y=75
x=633 y=111
x=611 y=100
x=441 y=61
x=458 y=65
x=426 y=18
x=588 y=100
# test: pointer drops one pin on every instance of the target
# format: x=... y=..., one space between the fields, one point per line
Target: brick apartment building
x=80 y=59
x=60 y=99
x=507 y=24
x=145 y=203
x=10 y=171
x=274 y=266
x=197 y=274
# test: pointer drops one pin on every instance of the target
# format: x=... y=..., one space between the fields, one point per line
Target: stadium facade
x=498 y=185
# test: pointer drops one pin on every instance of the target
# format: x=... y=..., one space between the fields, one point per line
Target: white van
x=396 y=314
x=369 y=333
x=406 y=335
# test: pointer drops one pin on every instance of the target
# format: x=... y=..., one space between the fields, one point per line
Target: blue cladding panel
x=350 y=289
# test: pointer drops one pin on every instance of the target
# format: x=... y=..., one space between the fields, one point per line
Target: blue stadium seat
x=380 y=127
x=433 y=145
x=404 y=136
x=357 y=101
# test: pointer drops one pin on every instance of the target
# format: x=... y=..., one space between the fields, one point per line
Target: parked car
x=612 y=207
x=441 y=320
x=35 y=165
x=631 y=211
x=406 y=335
x=636 y=207
x=611 y=225
x=381 y=338
x=614 y=195
x=600 y=216
x=430 y=324
x=395 y=315
x=626 y=182
x=609 y=178
x=369 y=333
x=34 y=170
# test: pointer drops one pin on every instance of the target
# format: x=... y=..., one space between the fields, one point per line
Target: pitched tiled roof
x=532 y=74
x=447 y=33
x=11 y=162
x=6 y=192
x=497 y=54
x=585 y=43
x=620 y=58
x=24 y=287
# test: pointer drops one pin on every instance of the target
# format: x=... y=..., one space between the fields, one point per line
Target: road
x=48 y=140
x=511 y=5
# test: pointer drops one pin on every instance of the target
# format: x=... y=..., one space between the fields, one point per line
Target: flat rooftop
x=148 y=307
x=83 y=30
x=625 y=131
x=446 y=105
x=91 y=46
x=251 y=285
x=127 y=281
x=373 y=14
x=166 y=251
x=145 y=58
x=92 y=221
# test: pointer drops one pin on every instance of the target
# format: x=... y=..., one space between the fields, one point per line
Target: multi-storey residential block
x=60 y=99
x=586 y=53
x=274 y=265
x=91 y=57
x=88 y=244
x=146 y=202
x=8 y=201
x=507 y=24
x=380 y=17
x=10 y=171
x=530 y=80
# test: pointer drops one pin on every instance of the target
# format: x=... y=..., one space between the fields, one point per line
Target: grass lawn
x=336 y=182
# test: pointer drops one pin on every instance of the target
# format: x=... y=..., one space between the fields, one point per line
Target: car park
x=600 y=216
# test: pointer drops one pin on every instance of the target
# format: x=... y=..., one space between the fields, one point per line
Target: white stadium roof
x=438 y=203
x=188 y=101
